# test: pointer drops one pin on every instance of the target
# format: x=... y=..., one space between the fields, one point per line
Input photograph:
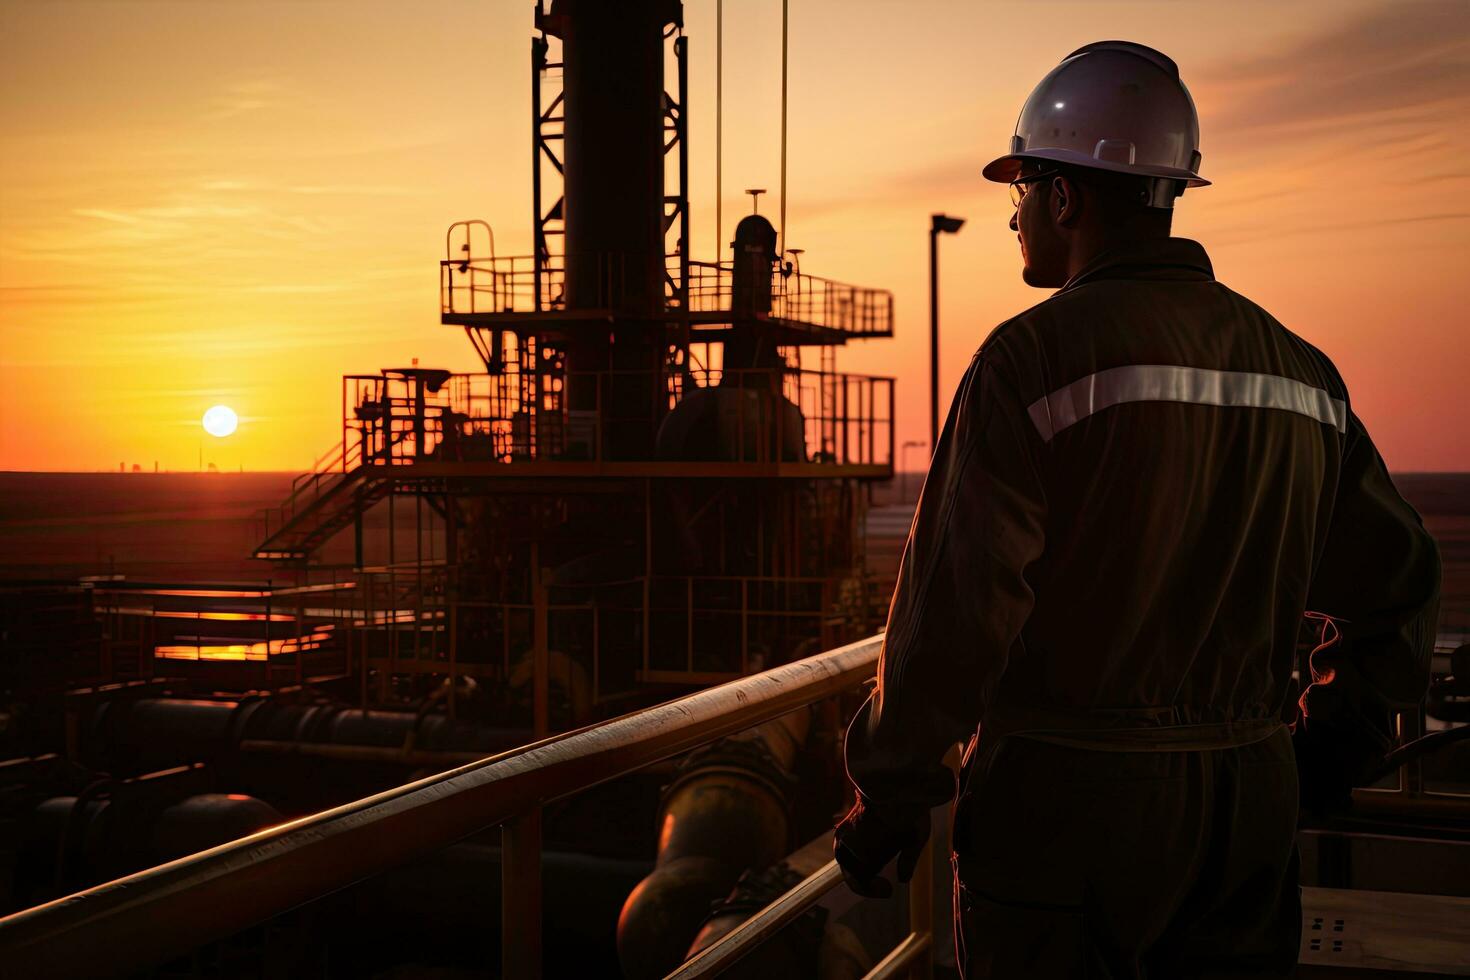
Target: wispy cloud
x=244 y=97
x=953 y=181
x=1409 y=62
x=362 y=190
x=1287 y=230
x=187 y=220
x=1390 y=82
x=104 y=215
x=301 y=289
x=238 y=184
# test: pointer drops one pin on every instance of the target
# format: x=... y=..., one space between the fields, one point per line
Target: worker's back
x=1147 y=481
x=1141 y=486
x=1190 y=453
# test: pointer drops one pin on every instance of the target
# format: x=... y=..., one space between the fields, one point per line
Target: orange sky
x=237 y=203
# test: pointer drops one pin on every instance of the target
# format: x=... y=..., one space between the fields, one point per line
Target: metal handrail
x=518 y=284
x=903 y=957
x=847 y=418
x=114 y=928
x=741 y=940
x=335 y=462
x=800 y=297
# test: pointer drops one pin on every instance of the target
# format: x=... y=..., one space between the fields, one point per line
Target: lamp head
x=946 y=223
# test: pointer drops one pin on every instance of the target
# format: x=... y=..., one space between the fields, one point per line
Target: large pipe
x=155 y=733
x=69 y=841
x=726 y=813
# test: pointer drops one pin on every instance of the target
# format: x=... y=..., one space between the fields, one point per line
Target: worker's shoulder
x=1312 y=359
x=1063 y=309
x=1027 y=336
x=1021 y=329
x=1121 y=319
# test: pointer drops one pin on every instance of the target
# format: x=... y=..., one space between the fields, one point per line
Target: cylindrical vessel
x=755 y=255
x=612 y=56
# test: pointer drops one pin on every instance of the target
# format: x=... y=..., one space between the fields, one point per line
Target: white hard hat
x=1114 y=106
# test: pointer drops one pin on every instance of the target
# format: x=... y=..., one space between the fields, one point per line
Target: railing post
x=891 y=433
x=647 y=569
x=596 y=656
x=745 y=625
x=773 y=392
x=300 y=640
x=739 y=415
x=872 y=419
x=540 y=653
x=520 y=897
x=921 y=909
x=846 y=417
x=269 y=595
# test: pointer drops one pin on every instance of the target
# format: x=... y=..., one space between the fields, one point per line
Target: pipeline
x=726 y=812
x=115 y=827
x=155 y=733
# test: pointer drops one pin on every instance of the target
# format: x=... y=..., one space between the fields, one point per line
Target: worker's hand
x=868 y=838
x=1331 y=760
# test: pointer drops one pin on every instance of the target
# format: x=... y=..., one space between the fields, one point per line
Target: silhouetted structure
x=657 y=478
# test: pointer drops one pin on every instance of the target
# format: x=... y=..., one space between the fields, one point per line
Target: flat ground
x=201 y=526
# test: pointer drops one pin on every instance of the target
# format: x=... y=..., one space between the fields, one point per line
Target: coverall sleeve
x=961 y=598
x=1378 y=579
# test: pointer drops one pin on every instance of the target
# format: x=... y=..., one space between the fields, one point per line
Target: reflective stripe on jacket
x=1142 y=484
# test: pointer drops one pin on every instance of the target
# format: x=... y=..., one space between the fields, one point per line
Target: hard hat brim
x=1005 y=169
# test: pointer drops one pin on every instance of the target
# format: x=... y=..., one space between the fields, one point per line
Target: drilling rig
x=658 y=481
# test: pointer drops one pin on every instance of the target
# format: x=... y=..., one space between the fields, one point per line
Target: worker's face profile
x=1041 y=255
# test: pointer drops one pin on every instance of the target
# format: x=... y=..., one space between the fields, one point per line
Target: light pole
x=903 y=487
x=938 y=223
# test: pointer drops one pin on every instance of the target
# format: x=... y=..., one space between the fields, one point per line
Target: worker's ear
x=1065 y=200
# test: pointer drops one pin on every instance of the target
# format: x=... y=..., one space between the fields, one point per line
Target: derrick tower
x=658 y=479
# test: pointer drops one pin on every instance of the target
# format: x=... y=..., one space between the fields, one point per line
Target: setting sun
x=220 y=421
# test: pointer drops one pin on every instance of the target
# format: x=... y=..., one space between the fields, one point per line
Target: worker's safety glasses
x=1021 y=185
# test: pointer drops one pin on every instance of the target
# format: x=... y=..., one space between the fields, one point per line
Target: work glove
x=1331 y=760
x=869 y=837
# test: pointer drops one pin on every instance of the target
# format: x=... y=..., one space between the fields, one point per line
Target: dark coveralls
x=1143 y=484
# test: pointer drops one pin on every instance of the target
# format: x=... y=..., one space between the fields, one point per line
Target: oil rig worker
x=1143 y=486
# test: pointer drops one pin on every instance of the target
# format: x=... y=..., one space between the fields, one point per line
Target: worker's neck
x=1089 y=243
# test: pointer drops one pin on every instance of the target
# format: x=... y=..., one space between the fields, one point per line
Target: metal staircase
x=321 y=503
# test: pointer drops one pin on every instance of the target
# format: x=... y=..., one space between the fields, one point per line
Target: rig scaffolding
x=649 y=485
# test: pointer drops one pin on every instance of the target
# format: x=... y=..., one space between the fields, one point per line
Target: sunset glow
x=243 y=202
